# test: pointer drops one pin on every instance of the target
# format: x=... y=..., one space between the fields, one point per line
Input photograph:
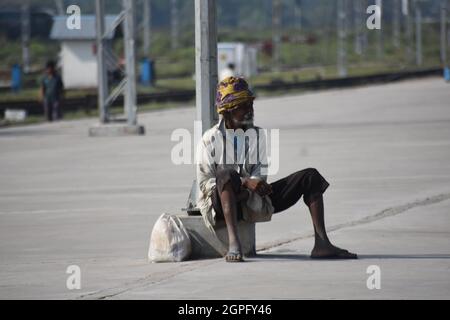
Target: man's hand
x=41 y=95
x=243 y=195
x=259 y=186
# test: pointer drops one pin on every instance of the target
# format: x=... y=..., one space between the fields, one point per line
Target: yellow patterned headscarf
x=231 y=92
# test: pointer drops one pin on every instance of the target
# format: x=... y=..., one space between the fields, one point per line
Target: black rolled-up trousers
x=286 y=192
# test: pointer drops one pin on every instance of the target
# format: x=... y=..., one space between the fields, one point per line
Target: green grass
x=29 y=120
x=40 y=52
x=33 y=94
x=115 y=111
x=175 y=68
x=180 y=63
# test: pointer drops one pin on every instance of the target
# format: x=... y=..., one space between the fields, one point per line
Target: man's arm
x=257 y=185
x=206 y=177
x=257 y=180
x=42 y=91
x=61 y=88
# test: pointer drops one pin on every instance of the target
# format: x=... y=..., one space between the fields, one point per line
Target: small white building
x=241 y=55
x=78 y=56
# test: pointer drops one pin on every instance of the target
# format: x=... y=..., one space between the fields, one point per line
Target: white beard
x=247 y=123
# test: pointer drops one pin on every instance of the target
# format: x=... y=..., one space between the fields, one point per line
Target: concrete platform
x=67 y=199
x=115 y=130
x=412 y=254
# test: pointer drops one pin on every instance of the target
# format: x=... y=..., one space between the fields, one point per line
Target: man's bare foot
x=234 y=253
x=329 y=251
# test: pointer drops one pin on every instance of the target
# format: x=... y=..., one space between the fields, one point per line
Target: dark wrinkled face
x=50 y=71
x=243 y=116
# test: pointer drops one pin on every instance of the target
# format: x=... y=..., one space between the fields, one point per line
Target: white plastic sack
x=169 y=241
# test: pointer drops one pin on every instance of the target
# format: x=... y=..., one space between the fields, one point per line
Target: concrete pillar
x=206 y=62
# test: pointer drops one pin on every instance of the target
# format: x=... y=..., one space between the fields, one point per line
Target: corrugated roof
x=87 y=31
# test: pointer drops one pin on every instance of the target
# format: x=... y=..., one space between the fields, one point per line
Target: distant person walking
x=52 y=92
x=227 y=72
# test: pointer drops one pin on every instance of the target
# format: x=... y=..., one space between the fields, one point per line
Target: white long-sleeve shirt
x=252 y=164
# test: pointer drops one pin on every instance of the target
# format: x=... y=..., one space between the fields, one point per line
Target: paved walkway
x=67 y=199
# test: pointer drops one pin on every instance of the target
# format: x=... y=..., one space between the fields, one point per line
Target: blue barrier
x=16 y=78
x=447 y=74
x=147 y=72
